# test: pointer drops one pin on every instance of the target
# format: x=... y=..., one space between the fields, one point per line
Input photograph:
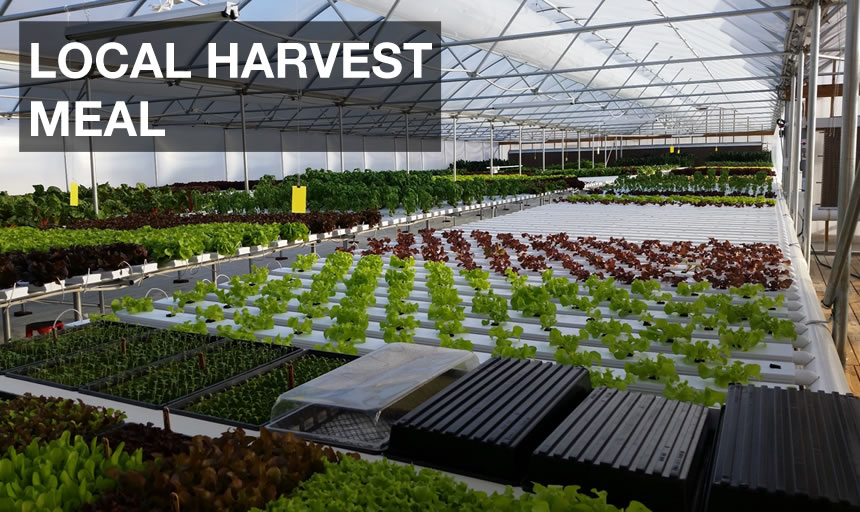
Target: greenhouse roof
x=594 y=66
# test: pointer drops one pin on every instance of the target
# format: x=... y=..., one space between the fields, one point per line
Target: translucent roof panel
x=612 y=66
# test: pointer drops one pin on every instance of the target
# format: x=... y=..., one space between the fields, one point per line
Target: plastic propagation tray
x=488 y=423
x=787 y=450
x=23 y=372
x=99 y=388
x=635 y=446
x=179 y=406
x=353 y=406
x=60 y=334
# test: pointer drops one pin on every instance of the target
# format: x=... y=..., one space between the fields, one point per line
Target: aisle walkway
x=820 y=276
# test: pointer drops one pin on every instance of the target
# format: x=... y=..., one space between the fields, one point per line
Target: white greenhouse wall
x=20 y=171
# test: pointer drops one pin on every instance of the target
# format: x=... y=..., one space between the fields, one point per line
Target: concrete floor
x=50 y=309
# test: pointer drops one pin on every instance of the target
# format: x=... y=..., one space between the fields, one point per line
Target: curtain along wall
x=162 y=166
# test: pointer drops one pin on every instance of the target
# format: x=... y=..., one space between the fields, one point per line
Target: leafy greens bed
x=625 y=325
x=31 y=350
x=251 y=402
x=327 y=191
x=161 y=384
x=114 y=358
x=705 y=184
x=677 y=200
x=181 y=242
x=39 y=267
x=27 y=418
x=358 y=485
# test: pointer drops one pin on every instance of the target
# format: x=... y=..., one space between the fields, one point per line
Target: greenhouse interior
x=601 y=251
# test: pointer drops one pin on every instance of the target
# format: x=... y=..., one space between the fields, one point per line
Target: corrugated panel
x=787 y=450
x=488 y=422
x=635 y=446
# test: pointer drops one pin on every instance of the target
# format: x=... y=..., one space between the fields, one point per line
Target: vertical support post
x=93 y=180
x=592 y=151
x=543 y=149
x=797 y=136
x=605 y=153
x=578 y=150
x=811 y=99
x=244 y=140
x=848 y=154
x=621 y=146
x=340 y=136
x=520 y=153
x=563 y=143
x=788 y=143
x=66 y=163
x=734 y=124
x=101 y=303
x=406 y=114
x=76 y=304
x=7 y=325
x=455 y=149
x=492 y=136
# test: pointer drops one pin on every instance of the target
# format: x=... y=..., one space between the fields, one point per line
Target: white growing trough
x=809 y=361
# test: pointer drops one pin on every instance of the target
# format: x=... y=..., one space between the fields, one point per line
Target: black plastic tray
x=488 y=423
x=64 y=332
x=178 y=406
x=355 y=430
x=95 y=388
x=7 y=396
x=20 y=372
x=635 y=446
x=787 y=450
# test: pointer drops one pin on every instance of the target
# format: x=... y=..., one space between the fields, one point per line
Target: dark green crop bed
x=252 y=401
x=91 y=365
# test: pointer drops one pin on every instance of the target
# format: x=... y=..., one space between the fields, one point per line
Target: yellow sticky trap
x=73 y=194
x=671 y=149
x=300 y=199
x=716 y=149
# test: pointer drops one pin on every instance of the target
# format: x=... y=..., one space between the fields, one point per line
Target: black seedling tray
x=488 y=423
x=21 y=372
x=787 y=450
x=635 y=446
x=7 y=396
x=356 y=430
x=60 y=334
x=178 y=406
x=95 y=388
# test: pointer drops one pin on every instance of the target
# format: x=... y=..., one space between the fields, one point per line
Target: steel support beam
x=406 y=116
x=849 y=199
x=563 y=142
x=543 y=149
x=93 y=180
x=455 y=148
x=578 y=151
x=521 y=151
x=797 y=136
x=340 y=137
x=62 y=9
x=244 y=142
x=811 y=99
x=492 y=169
x=625 y=24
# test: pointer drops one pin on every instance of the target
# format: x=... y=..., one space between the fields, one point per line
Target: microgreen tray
x=27 y=351
x=96 y=363
x=174 y=378
x=186 y=406
x=354 y=429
